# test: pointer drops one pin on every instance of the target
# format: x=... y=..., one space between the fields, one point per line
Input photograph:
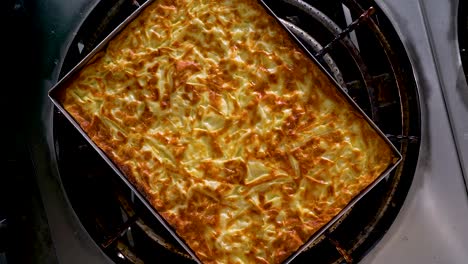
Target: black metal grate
x=377 y=75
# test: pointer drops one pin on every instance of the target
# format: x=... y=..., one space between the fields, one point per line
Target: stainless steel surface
x=432 y=226
x=443 y=35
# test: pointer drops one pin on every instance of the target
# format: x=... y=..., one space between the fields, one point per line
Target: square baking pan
x=54 y=91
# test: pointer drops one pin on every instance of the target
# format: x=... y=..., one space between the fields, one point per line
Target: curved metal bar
x=316 y=47
x=127 y=206
x=404 y=107
x=364 y=16
x=394 y=64
x=331 y=26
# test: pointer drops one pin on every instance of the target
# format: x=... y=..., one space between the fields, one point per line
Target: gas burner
x=355 y=43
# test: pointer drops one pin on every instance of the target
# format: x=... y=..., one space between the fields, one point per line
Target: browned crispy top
x=237 y=138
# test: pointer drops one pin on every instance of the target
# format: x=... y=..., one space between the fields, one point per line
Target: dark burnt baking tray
x=53 y=95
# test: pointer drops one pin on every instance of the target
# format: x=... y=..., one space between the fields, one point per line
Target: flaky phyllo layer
x=232 y=133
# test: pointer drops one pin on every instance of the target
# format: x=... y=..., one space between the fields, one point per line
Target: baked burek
x=232 y=133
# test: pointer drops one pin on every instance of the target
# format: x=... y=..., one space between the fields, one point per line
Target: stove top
x=431 y=226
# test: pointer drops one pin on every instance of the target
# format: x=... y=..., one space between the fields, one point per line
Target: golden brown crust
x=232 y=133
